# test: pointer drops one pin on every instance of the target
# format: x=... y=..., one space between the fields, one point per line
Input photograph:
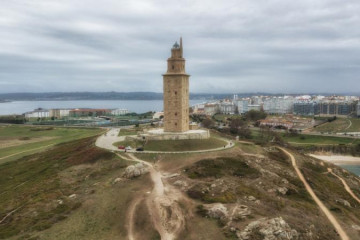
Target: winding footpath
x=163 y=201
x=347 y=188
x=321 y=205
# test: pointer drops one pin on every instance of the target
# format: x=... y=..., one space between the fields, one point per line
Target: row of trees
x=13 y=119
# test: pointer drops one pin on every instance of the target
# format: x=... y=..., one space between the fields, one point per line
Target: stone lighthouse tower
x=176 y=92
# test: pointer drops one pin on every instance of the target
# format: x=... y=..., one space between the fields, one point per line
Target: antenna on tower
x=181 y=48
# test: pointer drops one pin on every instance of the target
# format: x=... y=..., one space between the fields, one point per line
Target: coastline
x=338 y=159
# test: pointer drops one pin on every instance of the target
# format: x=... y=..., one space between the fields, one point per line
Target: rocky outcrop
x=240 y=212
x=216 y=210
x=268 y=229
x=343 y=202
x=135 y=170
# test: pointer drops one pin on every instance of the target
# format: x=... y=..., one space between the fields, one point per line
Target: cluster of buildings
x=288 y=122
x=279 y=105
x=77 y=112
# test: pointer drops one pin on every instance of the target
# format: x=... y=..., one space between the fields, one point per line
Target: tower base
x=159 y=134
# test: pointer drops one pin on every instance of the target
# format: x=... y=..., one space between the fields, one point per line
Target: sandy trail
x=132 y=209
x=321 y=205
x=162 y=202
x=347 y=188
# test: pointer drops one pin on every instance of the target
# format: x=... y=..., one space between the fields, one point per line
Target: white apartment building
x=242 y=106
x=211 y=109
x=279 y=105
x=254 y=107
x=37 y=113
x=227 y=108
x=119 y=112
x=59 y=113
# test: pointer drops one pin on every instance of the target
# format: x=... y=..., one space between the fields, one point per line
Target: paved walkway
x=106 y=141
x=321 y=205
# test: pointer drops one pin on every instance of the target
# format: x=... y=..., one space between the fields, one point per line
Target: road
x=321 y=205
x=106 y=141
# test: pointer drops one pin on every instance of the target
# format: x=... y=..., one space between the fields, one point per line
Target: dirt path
x=132 y=209
x=321 y=205
x=166 y=213
x=347 y=188
x=350 y=123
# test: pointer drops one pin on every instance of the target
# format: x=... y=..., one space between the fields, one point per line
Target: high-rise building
x=176 y=92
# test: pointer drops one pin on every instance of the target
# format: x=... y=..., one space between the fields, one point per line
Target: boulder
x=241 y=212
x=135 y=170
x=269 y=229
x=116 y=180
x=344 y=202
x=282 y=190
x=180 y=183
x=216 y=210
x=73 y=196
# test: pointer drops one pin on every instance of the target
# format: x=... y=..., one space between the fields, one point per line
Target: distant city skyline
x=273 y=46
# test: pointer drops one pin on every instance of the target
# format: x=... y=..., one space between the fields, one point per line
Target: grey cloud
x=230 y=46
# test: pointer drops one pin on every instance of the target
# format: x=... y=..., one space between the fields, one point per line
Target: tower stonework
x=176 y=92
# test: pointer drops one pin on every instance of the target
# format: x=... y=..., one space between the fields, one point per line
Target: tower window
x=175 y=124
x=175 y=92
x=173 y=67
x=176 y=114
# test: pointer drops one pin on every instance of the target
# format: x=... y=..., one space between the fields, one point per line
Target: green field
x=38 y=187
x=17 y=141
x=307 y=139
x=128 y=132
x=340 y=125
x=319 y=140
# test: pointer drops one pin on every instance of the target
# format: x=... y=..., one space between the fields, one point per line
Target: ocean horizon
x=137 y=106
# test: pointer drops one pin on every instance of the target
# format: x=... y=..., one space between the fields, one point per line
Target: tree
x=254 y=115
x=237 y=123
x=244 y=132
x=207 y=123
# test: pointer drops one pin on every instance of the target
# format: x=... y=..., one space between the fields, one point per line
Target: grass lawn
x=340 y=125
x=355 y=126
x=184 y=145
x=54 y=136
x=319 y=140
x=128 y=132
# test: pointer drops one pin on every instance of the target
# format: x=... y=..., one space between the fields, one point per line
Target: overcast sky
x=230 y=46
